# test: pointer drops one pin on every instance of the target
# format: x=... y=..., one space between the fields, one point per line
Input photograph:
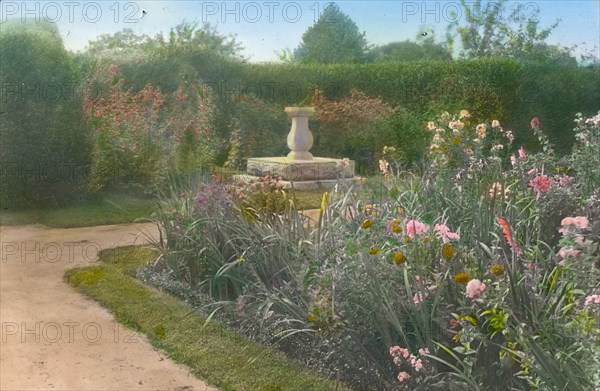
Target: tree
x=186 y=35
x=334 y=38
x=487 y=32
x=123 y=39
x=409 y=51
x=190 y=35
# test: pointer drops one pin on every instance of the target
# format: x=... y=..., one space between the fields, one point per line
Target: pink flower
x=403 y=376
x=534 y=170
x=417 y=298
x=567 y=252
x=581 y=222
x=445 y=232
x=567 y=221
x=513 y=160
x=541 y=184
x=405 y=353
x=475 y=288
x=522 y=153
x=593 y=299
x=563 y=180
x=535 y=123
x=415 y=227
x=418 y=365
x=423 y=351
x=395 y=350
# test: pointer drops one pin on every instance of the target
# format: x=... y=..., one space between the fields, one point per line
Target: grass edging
x=213 y=352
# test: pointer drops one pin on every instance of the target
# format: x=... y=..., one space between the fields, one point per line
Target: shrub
x=347 y=128
x=141 y=135
x=257 y=129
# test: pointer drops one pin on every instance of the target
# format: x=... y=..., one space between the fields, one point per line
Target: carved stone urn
x=300 y=139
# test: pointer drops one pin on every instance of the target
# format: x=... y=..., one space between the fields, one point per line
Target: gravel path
x=53 y=338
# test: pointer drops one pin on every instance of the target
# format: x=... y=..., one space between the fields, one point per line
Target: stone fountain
x=300 y=168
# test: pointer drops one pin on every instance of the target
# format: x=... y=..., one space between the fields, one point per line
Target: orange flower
x=506 y=230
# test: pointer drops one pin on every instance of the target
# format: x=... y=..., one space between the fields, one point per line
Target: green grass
x=99 y=210
x=213 y=352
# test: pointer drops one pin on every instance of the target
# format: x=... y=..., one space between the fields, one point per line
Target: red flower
x=506 y=230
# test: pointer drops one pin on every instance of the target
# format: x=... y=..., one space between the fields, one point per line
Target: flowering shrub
x=585 y=159
x=260 y=196
x=140 y=135
x=457 y=144
x=349 y=127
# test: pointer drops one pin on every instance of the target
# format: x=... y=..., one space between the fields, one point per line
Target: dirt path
x=55 y=338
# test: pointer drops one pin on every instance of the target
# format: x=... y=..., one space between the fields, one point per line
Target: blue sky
x=262 y=27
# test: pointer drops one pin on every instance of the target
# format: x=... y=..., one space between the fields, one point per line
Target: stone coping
x=315 y=169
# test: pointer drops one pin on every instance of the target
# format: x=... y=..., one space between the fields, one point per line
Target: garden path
x=55 y=338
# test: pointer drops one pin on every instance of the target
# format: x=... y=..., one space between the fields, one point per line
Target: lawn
x=210 y=350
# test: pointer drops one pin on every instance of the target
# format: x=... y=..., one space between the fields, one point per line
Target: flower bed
x=483 y=273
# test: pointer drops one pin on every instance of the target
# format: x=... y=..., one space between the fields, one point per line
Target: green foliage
x=258 y=129
x=585 y=160
x=45 y=141
x=488 y=31
x=409 y=51
x=333 y=39
x=186 y=36
x=405 y=131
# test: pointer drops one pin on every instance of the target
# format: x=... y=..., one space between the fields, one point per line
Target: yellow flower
x=311 y=317
x=399 y=258
x=400 y=210
x=324 y=201
x=367 y=224
x=464 y=114
x=406 y=239
x=447 y=251
x=497 y=269
x=426 y=239
x=374 y=251
x=396 y=229
x=462 y=278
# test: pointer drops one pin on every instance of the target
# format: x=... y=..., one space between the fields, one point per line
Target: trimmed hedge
x=510 y=91
x=45 y=146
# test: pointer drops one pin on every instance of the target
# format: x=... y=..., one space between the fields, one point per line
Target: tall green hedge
x=510 y=91
x=45 y=145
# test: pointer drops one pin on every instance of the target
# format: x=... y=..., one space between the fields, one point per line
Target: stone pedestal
x=317 y=173
x=300 y=169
